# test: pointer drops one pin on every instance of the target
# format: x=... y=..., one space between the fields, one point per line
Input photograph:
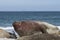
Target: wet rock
x=13 y=35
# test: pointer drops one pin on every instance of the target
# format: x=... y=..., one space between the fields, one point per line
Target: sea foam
x=10 y=30
x=58 y=27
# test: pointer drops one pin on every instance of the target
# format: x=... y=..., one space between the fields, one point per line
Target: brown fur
x=24 y=28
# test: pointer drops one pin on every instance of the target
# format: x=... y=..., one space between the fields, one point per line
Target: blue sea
x=7 y=18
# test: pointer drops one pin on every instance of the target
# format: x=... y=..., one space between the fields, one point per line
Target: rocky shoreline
x=6 y=39
x=40 y=37
x=35 y=37
x=31 y=30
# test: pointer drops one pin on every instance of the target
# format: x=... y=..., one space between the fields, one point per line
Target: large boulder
x=25 y=28
x=38 y=36
x=4 y=34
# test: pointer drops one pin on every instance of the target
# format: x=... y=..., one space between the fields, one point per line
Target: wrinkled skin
x=24 y=28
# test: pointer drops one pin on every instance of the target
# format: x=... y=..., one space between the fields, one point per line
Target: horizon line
x=29 y=11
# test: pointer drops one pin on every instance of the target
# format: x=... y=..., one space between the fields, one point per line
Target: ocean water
x=7 y=18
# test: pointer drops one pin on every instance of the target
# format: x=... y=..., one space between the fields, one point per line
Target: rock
x=25 y=28
x=40 y=37
x=4 y=34
x=6 y=39
x=13 y=35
